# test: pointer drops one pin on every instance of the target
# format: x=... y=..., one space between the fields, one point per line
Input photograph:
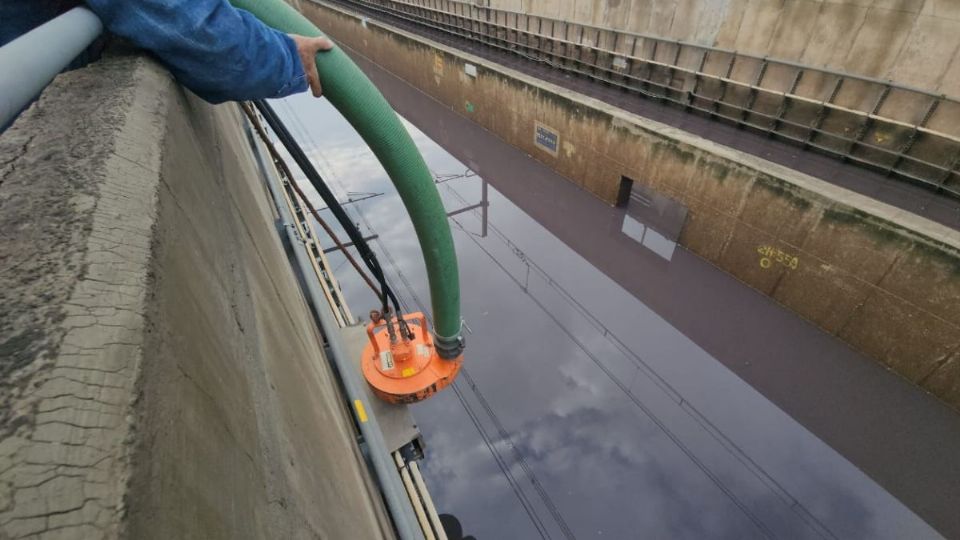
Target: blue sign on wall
x=546 y=138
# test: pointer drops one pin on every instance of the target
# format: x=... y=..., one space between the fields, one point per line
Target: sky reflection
x=581 y=411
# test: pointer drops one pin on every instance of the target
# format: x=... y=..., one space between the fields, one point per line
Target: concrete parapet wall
x=161 y=375
x=913 y=42
x=883 y=280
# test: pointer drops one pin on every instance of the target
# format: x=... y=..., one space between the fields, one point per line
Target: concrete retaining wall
x=913 y=42
x=883 y=280
x=160 y=373
x=908 y=133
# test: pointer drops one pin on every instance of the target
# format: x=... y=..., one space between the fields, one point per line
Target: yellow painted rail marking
x=361 y=412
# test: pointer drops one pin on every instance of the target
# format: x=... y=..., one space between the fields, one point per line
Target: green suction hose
x=359 y=101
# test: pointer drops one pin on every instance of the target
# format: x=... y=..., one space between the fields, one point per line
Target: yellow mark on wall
x=437 y=64
x=770 y=255
x=361 y=412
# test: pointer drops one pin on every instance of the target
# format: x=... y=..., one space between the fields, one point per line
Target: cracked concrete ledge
x=161 y=374
x=77 y=205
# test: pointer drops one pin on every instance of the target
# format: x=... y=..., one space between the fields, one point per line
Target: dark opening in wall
x=623 y=194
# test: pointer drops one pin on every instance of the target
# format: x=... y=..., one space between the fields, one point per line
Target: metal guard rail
x=901 y=131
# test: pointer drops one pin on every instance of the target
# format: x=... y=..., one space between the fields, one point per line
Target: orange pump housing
x=405 y=370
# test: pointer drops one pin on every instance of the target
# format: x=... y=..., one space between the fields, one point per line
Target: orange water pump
x=401 y=363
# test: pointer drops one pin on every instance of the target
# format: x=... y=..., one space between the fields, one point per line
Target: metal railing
x=901 y=131
x=31 y=61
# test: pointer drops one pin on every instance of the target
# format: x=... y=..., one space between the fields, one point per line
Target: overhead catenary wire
x=440 y=178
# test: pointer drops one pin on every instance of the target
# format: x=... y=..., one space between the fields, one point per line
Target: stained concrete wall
x=913 y=42
x=160 y=373
x=906 y=132
x=882 y=279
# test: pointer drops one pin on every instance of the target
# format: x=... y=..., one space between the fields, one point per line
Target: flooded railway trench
x=590 y=405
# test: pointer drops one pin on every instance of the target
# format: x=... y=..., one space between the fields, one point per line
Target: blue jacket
x=219 y=52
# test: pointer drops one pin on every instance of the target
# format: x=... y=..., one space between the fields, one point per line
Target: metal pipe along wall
x=31 y=61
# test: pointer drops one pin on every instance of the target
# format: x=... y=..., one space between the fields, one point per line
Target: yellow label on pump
x=407 y=372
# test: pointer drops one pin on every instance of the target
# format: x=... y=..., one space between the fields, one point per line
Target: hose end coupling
x=449 y=348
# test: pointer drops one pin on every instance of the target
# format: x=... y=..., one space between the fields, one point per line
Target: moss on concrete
x=785 y=190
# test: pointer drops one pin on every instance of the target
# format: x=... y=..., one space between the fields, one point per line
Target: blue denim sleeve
x=219 y=52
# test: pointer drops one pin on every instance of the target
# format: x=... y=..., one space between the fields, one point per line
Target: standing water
x=588 y=406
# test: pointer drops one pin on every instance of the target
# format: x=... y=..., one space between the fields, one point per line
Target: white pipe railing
x=30 y=62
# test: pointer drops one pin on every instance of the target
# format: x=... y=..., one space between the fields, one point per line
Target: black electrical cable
x=285 y=170
x=296 y=152
x=363 y=249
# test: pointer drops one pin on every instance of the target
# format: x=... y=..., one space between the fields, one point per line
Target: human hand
x=308 y=47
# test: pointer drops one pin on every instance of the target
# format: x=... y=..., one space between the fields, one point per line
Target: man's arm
x=219 y=52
